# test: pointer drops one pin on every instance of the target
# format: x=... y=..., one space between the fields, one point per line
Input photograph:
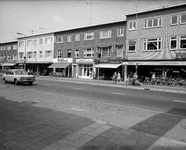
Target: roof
x=157 y=9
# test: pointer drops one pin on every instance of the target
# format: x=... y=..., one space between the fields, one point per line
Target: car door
x=11 y=76
x=6 y=75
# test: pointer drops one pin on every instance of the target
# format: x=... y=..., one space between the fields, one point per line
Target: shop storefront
x=61 y=67
x=84 y=68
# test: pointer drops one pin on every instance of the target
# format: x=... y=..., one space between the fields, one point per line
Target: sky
x=32 y=17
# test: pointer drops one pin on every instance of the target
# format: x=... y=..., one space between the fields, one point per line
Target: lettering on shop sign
x=181 y=56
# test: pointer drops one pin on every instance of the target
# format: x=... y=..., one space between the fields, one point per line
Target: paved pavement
x=40 y=122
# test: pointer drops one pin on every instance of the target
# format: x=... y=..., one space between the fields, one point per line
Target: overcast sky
x=44 y=16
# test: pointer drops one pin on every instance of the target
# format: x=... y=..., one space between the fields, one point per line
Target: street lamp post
x=24 y=49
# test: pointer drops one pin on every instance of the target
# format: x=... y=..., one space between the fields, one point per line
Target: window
x=152 y=44
x=59 y=39
x=35 y=54
x=173 y=43
x=48 y=54
x=105 y=51
x=40 y=41
x=132 y=25
x=76 y=53
x=120 y=32
x=157 y=22
x=9 y=47
x=15 y=57
x=77 y=37
x=35 y=42
x=14 y=46
x=4 y=48
x=132 y=45
x=183 y=18
x=21 y=55
x=183 y=42
x=21 y=43
x=69 y=38
x=88 y=53
x=48 y=40
x=59 y=54
x=119 y=50
x=8 y=57
x=29 y=55
x=105 y=34
x=89 y=36
x=1 y=48
x=174 y=20
x=69 y=53
x=40 y=54
x=29 y=42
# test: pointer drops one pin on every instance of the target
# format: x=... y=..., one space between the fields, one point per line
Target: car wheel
x=16 y=82
x=30 y=83
x=4 y=80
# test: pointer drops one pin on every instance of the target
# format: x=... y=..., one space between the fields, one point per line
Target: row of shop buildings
x=147 y=42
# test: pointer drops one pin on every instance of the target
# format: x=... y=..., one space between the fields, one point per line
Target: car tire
x=30 y=83
x=4 y=80
x=16 y=82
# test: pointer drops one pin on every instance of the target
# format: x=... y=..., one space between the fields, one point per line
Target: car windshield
x=20 y=72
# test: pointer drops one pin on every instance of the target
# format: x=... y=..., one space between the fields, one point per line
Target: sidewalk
x=177 y=89
x=40 y=121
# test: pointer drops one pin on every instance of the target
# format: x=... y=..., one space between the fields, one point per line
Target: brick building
x=156 y=41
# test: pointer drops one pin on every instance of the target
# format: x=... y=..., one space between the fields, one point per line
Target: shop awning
x=59 y=65
x=108 y=65
x=9 y=64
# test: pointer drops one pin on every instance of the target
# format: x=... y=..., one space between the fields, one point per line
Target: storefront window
x=173 y=43
x=183 y=42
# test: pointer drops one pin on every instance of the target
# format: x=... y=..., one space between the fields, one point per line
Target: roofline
x=8 y=42
x=78 y=28
x=156 y=9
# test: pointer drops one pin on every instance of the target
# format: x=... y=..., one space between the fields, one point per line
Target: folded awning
x=59 y=65
x=108 y=65
x=9 y=64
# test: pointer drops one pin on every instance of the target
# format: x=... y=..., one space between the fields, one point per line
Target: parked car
x=18 y=76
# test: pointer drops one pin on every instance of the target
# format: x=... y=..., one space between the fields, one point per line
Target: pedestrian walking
x=118 y=77
x=114 y=77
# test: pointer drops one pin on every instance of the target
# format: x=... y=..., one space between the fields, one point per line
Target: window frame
x=57 y=37
x=146 y=41
x=177 y=20
x=59 y=53
x=69 y=38
x=120 y=32
x=77 y=53
x=47 y=54
x=131 y=25
x=132 y=40
x=77 y=37
x=91 y=34
x=181 y=18
x=87 y=53
x=104 y=34
x=170 y=44
x=180 y=38
x=159 y=24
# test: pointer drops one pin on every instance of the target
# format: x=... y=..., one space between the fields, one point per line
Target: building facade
x=8 y=54
x=36 y=52
x=156 y=42
x=84 y=44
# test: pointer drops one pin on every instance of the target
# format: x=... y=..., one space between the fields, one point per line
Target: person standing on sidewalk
x=118 y=77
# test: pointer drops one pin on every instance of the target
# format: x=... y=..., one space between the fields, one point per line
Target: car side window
x=7 y=72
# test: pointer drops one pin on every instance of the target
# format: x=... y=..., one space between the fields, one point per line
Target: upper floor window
x=59 y=39
x=40 y=54
x=119 y=50
x=59 y=53
x=35 y=55
x=15 y=57
x=21 y=43
x=182 y=42
x=89 y=36
x=21 y=55
x=88 y=53
x=152 y=44
x=69 y=38
x=69 y=54
x=77 y=37
x=1 y=48
x=105 y=34
x=132 y=25
x=77 y=53
x=120 y=32
x=174 y=20
x=173 y=43
x=105 y=51
x=9 y=47
x=29 y=55
x=40 y=41
x=4 y=48
x=156 y=22
x=14 y=46
x=48 y=40
x=8 y=57
x=29 y=42
x=132 y=45
x=48 y=54
x=183 y=18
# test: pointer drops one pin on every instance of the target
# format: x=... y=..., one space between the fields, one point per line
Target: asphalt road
x=142 y=99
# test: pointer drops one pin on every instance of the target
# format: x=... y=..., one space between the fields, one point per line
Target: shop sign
x=114 y=61
x=181 y=55
x=84 y=60
x=62 y=60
